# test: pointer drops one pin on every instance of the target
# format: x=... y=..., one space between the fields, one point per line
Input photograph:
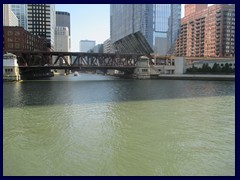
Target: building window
x=17 y=45
x=10 y=33
x=17 y=39
x=10 y=39
x=8 y=70
x=17 y=33
x=10 y=45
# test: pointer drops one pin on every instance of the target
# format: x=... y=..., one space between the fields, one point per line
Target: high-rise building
x=174 y=25
x=86 y=45
x=20 y=10
x=151 y=19
x=9 y=18
x=42 y=21
x=193 y=8
x=63 y=20
x=209 y=32
x=161 y=16
x=62 y=40
x=126 y=19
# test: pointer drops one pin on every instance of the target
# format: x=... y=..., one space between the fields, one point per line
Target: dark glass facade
x=41 y=21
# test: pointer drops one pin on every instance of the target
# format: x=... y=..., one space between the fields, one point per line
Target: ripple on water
x=120 y=128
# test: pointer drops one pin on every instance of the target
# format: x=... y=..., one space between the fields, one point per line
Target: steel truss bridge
x=76 y=61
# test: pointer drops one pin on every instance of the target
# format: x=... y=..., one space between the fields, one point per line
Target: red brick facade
x=209 y=32
x=18 y=39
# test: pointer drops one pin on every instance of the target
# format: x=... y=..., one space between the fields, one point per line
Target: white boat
x=76 y=73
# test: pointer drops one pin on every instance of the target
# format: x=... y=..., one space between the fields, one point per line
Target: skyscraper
x=62 y=41
x=155 y=21
x=41 y=21
x=161 y=16
x=20 y=10
x=63 y=20
x=126 y=19
x=174 y=26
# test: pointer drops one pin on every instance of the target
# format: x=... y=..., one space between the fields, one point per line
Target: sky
x=88 y=22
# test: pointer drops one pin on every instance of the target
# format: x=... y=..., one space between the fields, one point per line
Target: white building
x=86 y=45
x=10 y=67
x=107 y=46
x=9 y=18
x=63 y=19
x=62 y=40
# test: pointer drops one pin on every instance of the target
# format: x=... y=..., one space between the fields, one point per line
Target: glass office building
x=20 y=10
x=174 y=25
x=126 y=19
x=159 y=23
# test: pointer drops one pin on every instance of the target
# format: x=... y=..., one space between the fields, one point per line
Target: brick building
x=207 y=31
x=18 y=39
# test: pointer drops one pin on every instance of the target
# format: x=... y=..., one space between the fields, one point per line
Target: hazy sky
x=88 y=22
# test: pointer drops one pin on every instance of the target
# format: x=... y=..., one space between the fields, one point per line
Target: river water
x=99 y=125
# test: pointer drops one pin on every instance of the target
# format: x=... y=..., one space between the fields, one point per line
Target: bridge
x=76 y=61
x=42 y=62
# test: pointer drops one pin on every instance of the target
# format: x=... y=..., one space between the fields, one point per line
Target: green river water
x=99 y=125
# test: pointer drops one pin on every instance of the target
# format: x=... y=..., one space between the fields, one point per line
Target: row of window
x=17 y=45
x=8 y=70
x=10 y=39
x=16 y=33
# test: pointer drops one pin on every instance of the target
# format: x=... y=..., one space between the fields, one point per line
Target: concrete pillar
x=180 y=65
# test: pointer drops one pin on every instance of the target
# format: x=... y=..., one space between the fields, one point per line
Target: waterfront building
x=63 y=19
x=154 y=21
x=62 y=40
x=42 y=21
x=207 y=31
x=9 y=18
x=20 y=10
x=86 y=45
x=18 y=39
x=10 y=68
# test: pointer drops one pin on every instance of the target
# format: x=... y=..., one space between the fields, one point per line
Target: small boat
x=76 y=73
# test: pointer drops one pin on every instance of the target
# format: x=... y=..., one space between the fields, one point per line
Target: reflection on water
x=98 y=125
